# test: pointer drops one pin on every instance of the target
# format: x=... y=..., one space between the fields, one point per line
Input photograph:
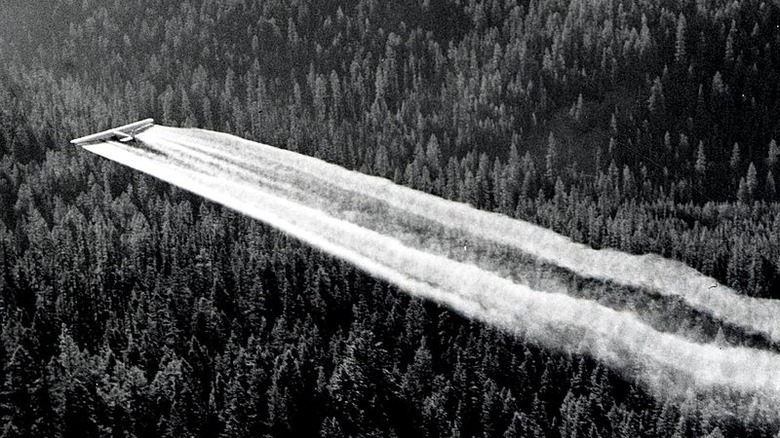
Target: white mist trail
x=662 y=275
x=293 y=196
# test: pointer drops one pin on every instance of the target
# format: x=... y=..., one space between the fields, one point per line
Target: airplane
x=124 y=133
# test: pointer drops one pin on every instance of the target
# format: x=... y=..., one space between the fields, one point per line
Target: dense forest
x=131 y=308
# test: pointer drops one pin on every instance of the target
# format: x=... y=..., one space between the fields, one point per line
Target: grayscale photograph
x=412 y=218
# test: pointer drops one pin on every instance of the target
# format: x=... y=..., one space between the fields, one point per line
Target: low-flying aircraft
x=122 y=133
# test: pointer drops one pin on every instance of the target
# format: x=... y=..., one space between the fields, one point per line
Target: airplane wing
x=123 y=133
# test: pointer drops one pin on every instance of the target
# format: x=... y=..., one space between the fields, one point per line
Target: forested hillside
x=130 y=308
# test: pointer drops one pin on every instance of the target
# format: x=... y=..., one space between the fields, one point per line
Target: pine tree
x=701 y=170
x=350 y=387
x=433 y=156
x=742 y=191
x=416 y=382
x=434 y=409
x=17 y=412
x=319 y=99
x=656 y=103
x=235 y=415
x=729 y=51
x=484 y=193
x=551 y=159
x=453 y=180
x=572 y=420
x=683 y=144
x=613 y=126
x=283 y=394
x=771 y=188
x=516 y=426
x=718 y=88
x=578 y=110
x=681 y=428
x=490 y=408
x=629 y=183
x=331 y=428
x=468 y=192
x=646 y=44
x=751 y=182
x=772 y=155
x=166 y=102
x=665 y=420
x=501 y=198
x=701 y=160
x=680 y=51
x=735 y=159
x=382 y=161
x=74 y=391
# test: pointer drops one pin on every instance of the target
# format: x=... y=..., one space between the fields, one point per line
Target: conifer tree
x=550 y=159
x=773 y=155
x=701 y=160
x=681 y=52
x=735 y=160
x=656 y=102
x=771 y=188
x=751 y=181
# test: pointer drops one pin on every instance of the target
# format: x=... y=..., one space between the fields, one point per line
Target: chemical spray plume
x=375 y=225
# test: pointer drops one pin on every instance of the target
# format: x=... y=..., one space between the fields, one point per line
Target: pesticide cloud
x=470 y=261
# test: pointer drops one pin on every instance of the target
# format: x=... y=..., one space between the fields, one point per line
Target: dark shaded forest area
x=131 y=308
